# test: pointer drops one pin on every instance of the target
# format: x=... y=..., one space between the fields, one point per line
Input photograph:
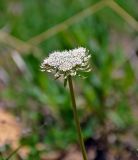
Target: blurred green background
x=107 y=99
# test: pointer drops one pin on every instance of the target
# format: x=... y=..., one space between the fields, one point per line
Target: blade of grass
x=14 y=152
x=68 y=22
x=122 y=13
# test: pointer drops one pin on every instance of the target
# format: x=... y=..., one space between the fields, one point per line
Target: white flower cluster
x=67 y=62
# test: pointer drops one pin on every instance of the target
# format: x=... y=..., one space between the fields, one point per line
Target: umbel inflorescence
x=68 y=62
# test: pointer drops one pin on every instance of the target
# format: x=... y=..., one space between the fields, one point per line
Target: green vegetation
x=105 y=99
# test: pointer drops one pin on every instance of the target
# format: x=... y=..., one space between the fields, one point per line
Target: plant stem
x=81 y=142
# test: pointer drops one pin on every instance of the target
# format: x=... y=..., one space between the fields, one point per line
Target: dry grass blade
x=17 y=44
x=13 y=153
x=65 y=24
x=25 y=47
x=120 y=11
x=14 y=42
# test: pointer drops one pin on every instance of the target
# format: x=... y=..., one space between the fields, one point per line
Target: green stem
x=81 y=142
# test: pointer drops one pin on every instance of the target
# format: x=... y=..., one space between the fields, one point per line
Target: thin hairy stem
x=81 y=142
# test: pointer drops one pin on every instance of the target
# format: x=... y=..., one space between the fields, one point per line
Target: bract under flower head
x=67 y=63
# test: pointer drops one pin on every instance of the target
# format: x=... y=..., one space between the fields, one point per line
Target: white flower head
x=67 y=63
